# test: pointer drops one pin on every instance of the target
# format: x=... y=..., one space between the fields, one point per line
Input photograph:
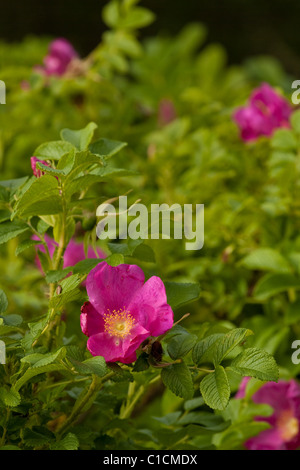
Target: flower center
x=118 y=323
x=288 y=425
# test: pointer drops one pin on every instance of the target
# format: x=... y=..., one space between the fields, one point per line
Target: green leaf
x=266 y=259
x=10 y=398
x=295 y=121
x=178 y=379
x=3 y=301
x=79 y=138
x=144 y=253
x=179 y=294
x=106 y=148
x=256 y=363
x=138 y=17
x=85 y=266
x=235 y=436
x=70 y=442
x=4 y=215
x=51 y=171
x=180 y=345
x=225 y=344
x=203 y=350
x=53 y=150
x=141 y=363
x=9 y=230
x=215 y=389
x=41 y=198
x=24 y=245
x=272 y=284
x=13 y=319
x=97 y=365
x=284 y=139
x=115 y=259
x=33 y=372
x=40 y=360
x=57 y=275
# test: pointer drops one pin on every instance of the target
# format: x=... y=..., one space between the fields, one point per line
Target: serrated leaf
x=10 y=398
x=33 y=372
x=9 y=230
x=215 y=389
x=225 y=344
x=24 y=245
x=203 y=349
x=51 y=171
x=178 y=379
x=57 y=275
x=256 y=363
x=180 y=345
x=97 y=364
x=49 y=358
x=41 y=198
x=69 y=442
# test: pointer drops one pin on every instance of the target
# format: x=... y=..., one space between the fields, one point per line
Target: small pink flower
x=38 y=173
x=266 y=111
x=60 y=54
x=74 y=252
x=284 y=398
x=166 y=112
x=123 y=310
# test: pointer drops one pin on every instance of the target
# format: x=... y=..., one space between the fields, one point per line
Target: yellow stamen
x=118 y=323
x=288 y=426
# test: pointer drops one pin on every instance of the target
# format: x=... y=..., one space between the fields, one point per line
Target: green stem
x=55 y=265
x=131 y=401
x=94 y=387
x=3 y=438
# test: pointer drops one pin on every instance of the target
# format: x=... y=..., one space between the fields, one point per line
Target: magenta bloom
x=74 y=252
x=265 y=112
x=284 y=398
x=36 y=172
x=123 y=310
x=60 y=54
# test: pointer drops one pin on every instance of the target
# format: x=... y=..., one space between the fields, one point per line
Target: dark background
x=244 y=27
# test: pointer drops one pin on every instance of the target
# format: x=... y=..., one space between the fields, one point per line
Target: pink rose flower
x=266 y=111
x=60 y=54
x=123 y=310
x=284 y=398
x=74 y=252
x=36 y=172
